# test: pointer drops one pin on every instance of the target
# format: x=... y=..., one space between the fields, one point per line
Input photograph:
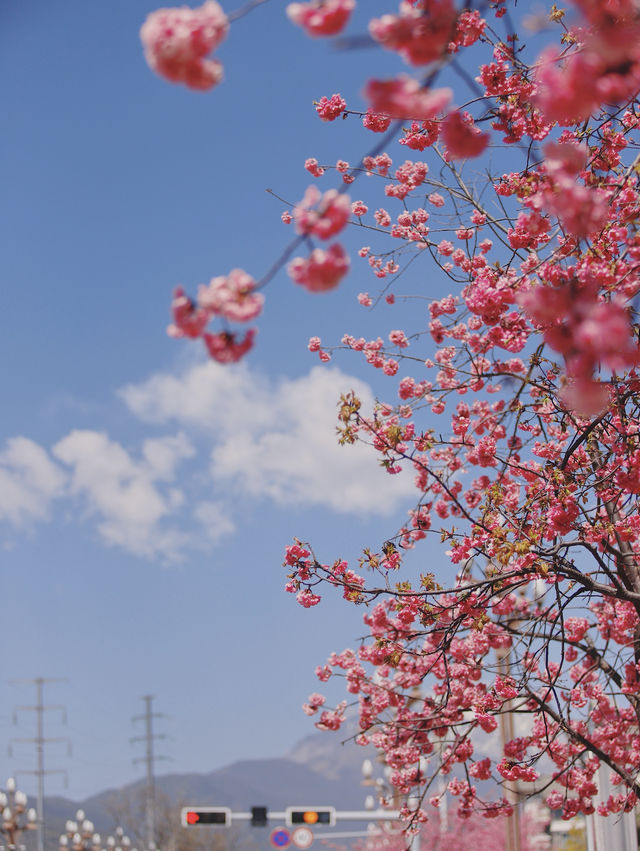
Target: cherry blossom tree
x=514 y=403
x=463 y=833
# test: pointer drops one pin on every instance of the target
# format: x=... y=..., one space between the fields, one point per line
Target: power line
x=149 y=759
x=40 y=741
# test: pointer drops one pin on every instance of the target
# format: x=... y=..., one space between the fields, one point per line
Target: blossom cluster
x=178 y=41
x=231 y=297
x=324 y=18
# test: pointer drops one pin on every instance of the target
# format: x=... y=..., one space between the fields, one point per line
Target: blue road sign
x=280 y=837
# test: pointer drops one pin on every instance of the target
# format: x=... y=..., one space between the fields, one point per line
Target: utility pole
x=40 y=741
x=149 y=759
x=512 y=822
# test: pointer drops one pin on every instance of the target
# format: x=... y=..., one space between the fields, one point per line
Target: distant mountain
x=327 y=755
x=319 y=771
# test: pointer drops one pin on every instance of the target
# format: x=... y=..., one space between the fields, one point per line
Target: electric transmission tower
x=149 y=759
x=39 y=740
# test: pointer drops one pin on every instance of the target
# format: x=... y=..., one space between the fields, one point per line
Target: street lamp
x=370 y=802
x=15 y=816
x=79 y=835
x=383 y=789
x=119 y=842
x=383 y=794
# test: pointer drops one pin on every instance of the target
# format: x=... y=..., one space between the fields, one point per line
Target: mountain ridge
x=317 y=771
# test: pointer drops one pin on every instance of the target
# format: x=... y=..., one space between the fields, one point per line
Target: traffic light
x=310 y=816
x=196 y=816
x=259 y=816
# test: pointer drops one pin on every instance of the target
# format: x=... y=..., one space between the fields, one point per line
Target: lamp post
x=119 y=841
x=15 y=816
x=79 y=835
x=383 y=788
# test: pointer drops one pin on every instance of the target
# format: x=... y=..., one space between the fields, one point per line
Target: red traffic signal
x=220 y=816
x=310 y=816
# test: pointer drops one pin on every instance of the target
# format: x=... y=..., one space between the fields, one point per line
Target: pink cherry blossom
x=189 y=320
x=398 y=338
x=225 y=348
x=565 y=157
x=321 y=17
x=375 y=122
x=322 y=270
x=331 y=108
x=232 y=296
x=461 y=137
x=322 y=215
x=403 y=97
x=307 y=598
x=420 y=34
x=311 y=165
x=176 y=42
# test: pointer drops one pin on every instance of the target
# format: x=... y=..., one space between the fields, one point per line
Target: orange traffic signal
x=310 y=815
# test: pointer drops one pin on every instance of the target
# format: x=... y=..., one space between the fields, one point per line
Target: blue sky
x=146 y=496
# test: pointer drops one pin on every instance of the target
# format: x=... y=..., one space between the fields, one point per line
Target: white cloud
x=124 y=492
x=29 y=481
x=214 y=519
x=261 y=438
x=207 y=395
x=163 y=454
x=274 y=439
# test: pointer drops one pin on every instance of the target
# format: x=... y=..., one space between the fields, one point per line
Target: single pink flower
x=322 y=215
x=331 y=108
x=566 y=89
x=322 y=17
x=322 y=270
x=461 y=137
x=311 y=165
x=586 y=397
x=419 y=34
x=565 y=157
x=225 y=348
x=403 y=97
x=232 y=296
x=189 y=320
x=375 y=122
x=176 y=42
